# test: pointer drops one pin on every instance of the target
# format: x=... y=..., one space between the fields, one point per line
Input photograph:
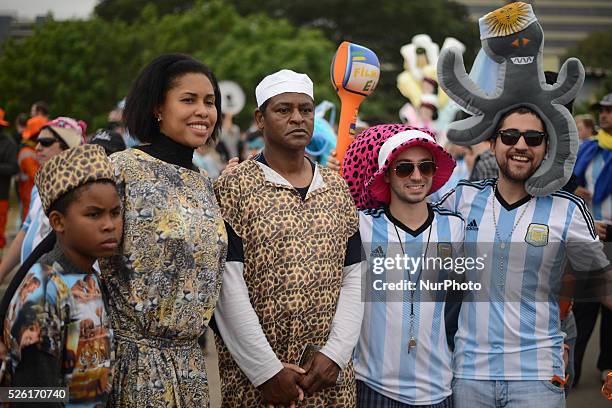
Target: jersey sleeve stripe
x=445 y=196
x=583 y=209
x=444 y=211
x=480 y=184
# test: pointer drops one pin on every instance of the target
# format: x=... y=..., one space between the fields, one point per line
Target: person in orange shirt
x=40 y=108
x=28 y=164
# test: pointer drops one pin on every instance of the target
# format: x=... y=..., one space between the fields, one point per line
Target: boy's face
x=93 y=223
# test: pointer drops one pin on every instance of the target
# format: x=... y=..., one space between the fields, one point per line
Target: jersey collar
x=418 y=231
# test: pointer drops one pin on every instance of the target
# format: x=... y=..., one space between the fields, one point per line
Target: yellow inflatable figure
x=420 y=60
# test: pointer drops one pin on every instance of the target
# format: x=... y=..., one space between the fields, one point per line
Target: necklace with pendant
x=502 y=244
x=412 y=341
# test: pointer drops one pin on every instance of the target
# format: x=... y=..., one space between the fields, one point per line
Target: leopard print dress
x=163 y=285
x=294 y=253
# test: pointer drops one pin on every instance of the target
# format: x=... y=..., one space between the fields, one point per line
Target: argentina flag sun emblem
x=445 y=250
x=537 y=235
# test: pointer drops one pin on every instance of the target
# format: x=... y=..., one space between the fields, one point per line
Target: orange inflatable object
x=354 y=73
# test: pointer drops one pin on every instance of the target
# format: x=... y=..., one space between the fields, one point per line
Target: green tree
x=384 y=27
x=82 y=68
x=594 y=52
x=129 y=10
x=241 y=49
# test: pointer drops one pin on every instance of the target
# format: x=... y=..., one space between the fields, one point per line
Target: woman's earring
x=159 y=118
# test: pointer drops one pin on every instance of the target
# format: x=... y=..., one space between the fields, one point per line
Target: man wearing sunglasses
x=56 y=136
x=509 y=346
x=402 y=358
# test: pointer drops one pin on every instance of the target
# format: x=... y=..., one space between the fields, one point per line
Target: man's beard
x=514 y=177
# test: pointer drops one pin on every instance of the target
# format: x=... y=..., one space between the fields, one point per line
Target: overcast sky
x=61 y=9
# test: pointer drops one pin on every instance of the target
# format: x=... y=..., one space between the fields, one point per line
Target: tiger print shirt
x=58 y=309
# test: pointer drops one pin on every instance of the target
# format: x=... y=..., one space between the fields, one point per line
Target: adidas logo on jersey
x=377 y=253
x=472 y=226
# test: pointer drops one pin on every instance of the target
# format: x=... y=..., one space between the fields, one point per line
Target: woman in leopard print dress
x=163 y=285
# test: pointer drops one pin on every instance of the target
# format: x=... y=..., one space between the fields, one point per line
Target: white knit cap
x=283 y=81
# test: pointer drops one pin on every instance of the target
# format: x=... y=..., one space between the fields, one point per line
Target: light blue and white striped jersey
x=516 y=335
x=603 y=210
x=36 y=226
x=381 y=359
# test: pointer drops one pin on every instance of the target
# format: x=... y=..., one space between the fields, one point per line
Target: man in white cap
x=291 y=293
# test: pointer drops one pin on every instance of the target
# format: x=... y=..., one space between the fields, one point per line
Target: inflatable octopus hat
x=512 y=37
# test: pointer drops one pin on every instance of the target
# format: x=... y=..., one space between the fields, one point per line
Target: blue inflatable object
x=324 y=138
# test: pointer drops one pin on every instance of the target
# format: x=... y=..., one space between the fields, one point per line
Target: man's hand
x=321 y=371
x=283 y=388
x=583 y=193
x=601 y=230
x=233 y=162
x=332 y=162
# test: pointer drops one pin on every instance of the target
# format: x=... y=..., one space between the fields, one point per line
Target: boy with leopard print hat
x=56 y=326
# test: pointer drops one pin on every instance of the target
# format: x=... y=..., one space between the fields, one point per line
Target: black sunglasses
x=510 y=137
x=427 y=168
x=47 y=141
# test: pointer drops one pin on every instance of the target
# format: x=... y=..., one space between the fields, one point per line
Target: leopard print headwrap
x=71 y=169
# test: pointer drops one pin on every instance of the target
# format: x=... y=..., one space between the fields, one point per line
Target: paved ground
x=586 y=395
